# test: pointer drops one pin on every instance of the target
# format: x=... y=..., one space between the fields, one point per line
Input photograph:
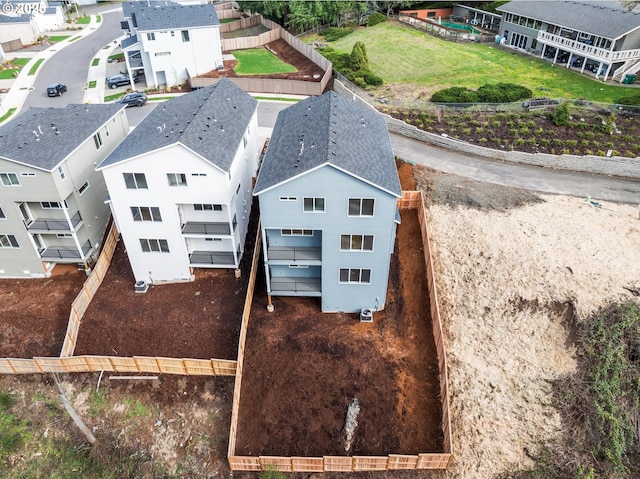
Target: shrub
x=520 y=141
x=358 y=59
x=630 y=99
x=488 y=93
x=376 y=18
x=561 y=115
x=332 y=34
x=448 y=95
x=371 y=79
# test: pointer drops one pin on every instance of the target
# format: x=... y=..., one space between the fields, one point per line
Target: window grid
x=185 y=36
x=361 y=207
x=51 y=205
x=84 y=187
x=207 y=207
x=297 y=232
x=313 y=205
x=97 y=139
x=355 y=275
x=177 y=179
x=288 y=198
x=9 y=179
x=146 y=213
x=8 y=241
x=356 y=242
x=135 y=181
x=154 y=245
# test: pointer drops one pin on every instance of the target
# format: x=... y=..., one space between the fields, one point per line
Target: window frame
x=186 y=37
x=151 y=36
x=9 y=177
x=135 y=177
x=363 y=243
x=85 y=186
x=97 y=140
x=153 y=245
x=179 y=179
x=314 y=206
x=9 y=242
x=293 y=232
x=3 y=216
x=361 y=201
x=350 y=272
x=150 y=214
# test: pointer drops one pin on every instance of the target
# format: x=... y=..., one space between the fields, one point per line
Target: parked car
x=118 y=80
x=56 y=89
x=136 y=98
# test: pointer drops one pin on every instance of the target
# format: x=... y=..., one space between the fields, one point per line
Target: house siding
x=336 y=187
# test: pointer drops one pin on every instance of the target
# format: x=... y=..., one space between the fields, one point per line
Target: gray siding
x=336 y=188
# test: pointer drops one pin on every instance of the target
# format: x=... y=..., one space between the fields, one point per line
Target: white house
x=180 y=185
x=170 y=42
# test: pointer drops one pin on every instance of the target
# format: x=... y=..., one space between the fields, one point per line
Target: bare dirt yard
x=302 y=368
x=35 y=312
x=306 y=69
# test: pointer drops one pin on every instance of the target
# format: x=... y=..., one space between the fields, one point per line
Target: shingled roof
x=44 y=137
x=606 y=19
x=210 y=121
x=329 y=130
x=168 y=15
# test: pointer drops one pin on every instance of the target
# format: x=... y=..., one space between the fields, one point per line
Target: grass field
x=401 y=54
x=84 y=20
x=58 y=38
x=35 y=67
x=11 y=73
x=9 y=112
x=95 y=62
x=258 y=61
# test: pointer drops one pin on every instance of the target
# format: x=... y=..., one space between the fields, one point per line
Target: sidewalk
x=23 y=84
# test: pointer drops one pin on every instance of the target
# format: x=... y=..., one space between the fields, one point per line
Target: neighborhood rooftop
x=210 y=121
x=44 y=137
x=606 y=19
x=334 y=130
x=169 y=15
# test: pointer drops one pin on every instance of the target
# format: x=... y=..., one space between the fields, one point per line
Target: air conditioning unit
x=141 y=286
x=366 y=315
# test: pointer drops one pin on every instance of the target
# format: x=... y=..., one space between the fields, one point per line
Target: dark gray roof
x=334 y=130
x=44 y=137
x=159 y=16
x=127 y=42
x=210 y=121
x=603 y=18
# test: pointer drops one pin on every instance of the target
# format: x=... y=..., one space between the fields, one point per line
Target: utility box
x=630 y=79
x=366 y=315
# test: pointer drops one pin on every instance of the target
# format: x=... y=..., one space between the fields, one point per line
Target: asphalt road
x=70 y=64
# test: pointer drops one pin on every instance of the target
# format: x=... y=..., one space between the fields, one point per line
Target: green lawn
x=115 y=96
x=9 y=112
x=92 y=84
x=58 y=38
x=84 y=20
x=115 y=57
x=35 y=67
x=401 y=54
x=258 y=61
x=95 y=62
x=11 y=73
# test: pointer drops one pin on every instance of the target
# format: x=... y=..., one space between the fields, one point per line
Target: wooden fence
x=270 y=85
x=67 y=363
x=409 y=200
x=446 y=33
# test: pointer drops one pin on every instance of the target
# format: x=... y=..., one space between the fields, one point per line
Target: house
x=18 y=30
x=328 y=189
x=180 y=184
x=170 y=42
x=600 y=37
x=52 y=207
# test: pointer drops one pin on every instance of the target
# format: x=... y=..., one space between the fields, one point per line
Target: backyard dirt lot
x=199 y=319
x=303 y=367
x=35 y=312
x=307 y=70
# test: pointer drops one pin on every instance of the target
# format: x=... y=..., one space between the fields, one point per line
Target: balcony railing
x=54 y=224
x=63 y=253
x=299 y=286
x=203 y=228
x=218 y=258
x=294 y=253
x=587 y=50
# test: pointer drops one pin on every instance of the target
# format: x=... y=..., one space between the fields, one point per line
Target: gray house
x=328 y=190
x=52 y=207
x=598 y=36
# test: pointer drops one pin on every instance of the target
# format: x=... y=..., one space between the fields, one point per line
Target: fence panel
x=244 y=463
x=220 y=367
x=77 y=364
x=433 y=461
x=399 y=461
x=307 y=464
x=51 y=365
x=147 y=364
x=124 y=365
x=370 y=463
x=24 y=366
x=282 y=464
x=338 y=464
x=5 y=366
x=171 y=366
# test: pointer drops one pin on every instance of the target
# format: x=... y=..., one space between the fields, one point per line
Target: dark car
x=135 y=98
x=118 y=80
x=56 y=89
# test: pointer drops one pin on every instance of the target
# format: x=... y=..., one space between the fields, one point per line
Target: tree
x=358 y=59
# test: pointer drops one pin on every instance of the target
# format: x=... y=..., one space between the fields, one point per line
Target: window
x=2 y=215
x=106 y=130
x=64 y=235
x=135 y=181
x=27 y=174
x=97 y=139
x=163 y=54
x=361 y=206
x=235 y=222
x=311 y=205
x=146 y=213
x=238 y=189
x=84 y=187
x=51 y=205
x=173 y=34
x=185 y=35
x=61 y=172
x=288 y=232
x=177 y=179
x=151 y=36
x=198 y=174
x=199 y=207
x=9 y=179
x=8 y=241
x=245 y=141
x=154 y=245
x=356 y=242
x=288 y=198
x=355 y=275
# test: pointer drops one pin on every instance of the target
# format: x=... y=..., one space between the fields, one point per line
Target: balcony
x=47 y=225
x=297 y=254
x=584 y=49
x=291 y=286
x=211 y=258
x=59 y=254
x=205 y=229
